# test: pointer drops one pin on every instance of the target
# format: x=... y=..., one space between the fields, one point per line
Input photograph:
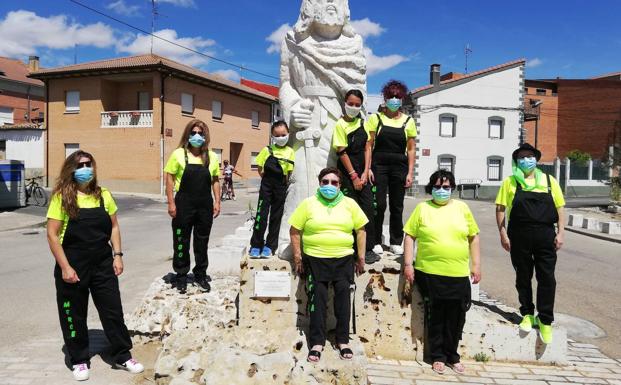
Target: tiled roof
x=611 y=76
x=143 y=62
x=263 y=87
x=22 y=126
x=16 y=70
x=472 y=75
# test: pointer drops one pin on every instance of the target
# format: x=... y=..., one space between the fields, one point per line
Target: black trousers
x=445 y=319
x=72 y=301
x=390 y=179
x=318 y=305
x=532 y=248
x=271 y=203
x=364 y=198
x=192 y=217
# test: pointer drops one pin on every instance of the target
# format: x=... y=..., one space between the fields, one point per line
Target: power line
x=239 y=67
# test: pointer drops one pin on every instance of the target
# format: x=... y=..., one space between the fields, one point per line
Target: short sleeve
x=339 y=138
x=300 y=215
x=473 y=228
x=411 y=226
x=262 y=157
x=358 y=217
x=557 y=193
x=172 y=166
x=501 y=197
x=214 y=164
x=410 y=129
x=109 y=203
x=55 y=209
x=371 y=124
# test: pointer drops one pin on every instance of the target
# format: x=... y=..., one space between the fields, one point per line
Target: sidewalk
x=11 y=220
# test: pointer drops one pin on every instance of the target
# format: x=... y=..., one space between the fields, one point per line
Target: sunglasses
x=333 y=182
x=197 y=132
x=85 y=164
x=437 y=187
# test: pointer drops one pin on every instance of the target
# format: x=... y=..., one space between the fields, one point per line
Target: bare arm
x=560 y=235
x=411 y=158
x=356 y=181
x=475 y=255
x=260 y=171
x=361 y=245
x=408 y=258
x=115 y=239
x=368 y=151
x=170 y=197
x=215 y=187
x=370 y=143
x=502 y=229
x=296 y=245
x=53 y=229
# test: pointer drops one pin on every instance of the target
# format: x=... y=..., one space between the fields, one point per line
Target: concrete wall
x=27 y=146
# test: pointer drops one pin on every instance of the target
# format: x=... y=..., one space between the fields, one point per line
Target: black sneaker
x=203 y=282
x=371 y=257
x=181 y=283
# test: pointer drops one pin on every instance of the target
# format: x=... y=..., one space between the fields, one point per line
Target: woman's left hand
x=475 y=274
x=559 y=240
x=364 y=178
x=360 y=266
x=117 y=265
x=216 y=209
x=408 y=181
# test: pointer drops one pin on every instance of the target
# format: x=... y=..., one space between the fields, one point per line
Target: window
x=253 y=160
x=541 y=91
x=70 y=148
x=218 y=152
x=6 y=116
x=447 y=125
x=277 y=112
x=72 y=101
x=187 y=104
x=496 y=127
x=2 y=149
x=494 y=168
x=446 y=162
x=526 y=90
x=216 y=109
x=255 y=119
x=144 y=101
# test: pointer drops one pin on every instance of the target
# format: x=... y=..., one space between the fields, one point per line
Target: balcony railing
x=142 y=118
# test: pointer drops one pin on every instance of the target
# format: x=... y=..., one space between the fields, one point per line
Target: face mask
x=281 y=141
x=393 y=104
x=196 y=140
x=352 y=111
x=527 y=164
x=441 y=195
x=328 y=191
x=83 y=175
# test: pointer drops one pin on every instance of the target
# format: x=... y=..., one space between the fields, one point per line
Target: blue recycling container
x=12 y=184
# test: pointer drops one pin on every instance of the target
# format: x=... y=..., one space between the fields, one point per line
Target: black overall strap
x=271 y=151
x=549 y=184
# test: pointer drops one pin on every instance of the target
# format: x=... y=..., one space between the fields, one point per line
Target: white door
x=70 y=148
x=6 y=116
x=144 y=102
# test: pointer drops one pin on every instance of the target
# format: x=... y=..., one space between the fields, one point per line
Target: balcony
x=124 y=119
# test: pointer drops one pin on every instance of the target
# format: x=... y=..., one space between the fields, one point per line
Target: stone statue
x=321 y=59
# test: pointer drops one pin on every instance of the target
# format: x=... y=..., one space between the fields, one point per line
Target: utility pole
x=467 y=52
x=154 y=14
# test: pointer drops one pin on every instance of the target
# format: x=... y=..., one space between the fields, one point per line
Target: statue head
x=324 y=14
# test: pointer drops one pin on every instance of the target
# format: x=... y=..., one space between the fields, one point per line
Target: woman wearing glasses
x=448 y=255
x=81 y=227
x=192 y=171
x=324 y=224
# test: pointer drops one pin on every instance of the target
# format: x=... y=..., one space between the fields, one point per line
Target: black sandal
x=313 y=353
x=343 y=352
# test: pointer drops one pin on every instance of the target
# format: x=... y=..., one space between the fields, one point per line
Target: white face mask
x=281 y=141
x=352 y=111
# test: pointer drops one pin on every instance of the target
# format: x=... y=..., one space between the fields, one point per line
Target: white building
x=24 y=142
x=469 y=124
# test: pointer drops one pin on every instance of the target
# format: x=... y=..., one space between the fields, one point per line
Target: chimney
x=434 y=75
x=33 y=63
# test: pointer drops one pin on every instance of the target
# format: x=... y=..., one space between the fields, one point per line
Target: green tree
x=579 y=158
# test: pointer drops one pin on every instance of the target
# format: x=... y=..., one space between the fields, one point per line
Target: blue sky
x=570 y=38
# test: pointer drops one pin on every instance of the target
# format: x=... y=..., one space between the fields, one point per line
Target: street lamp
x=536 y=104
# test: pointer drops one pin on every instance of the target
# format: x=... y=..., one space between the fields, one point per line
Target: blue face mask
x=441 y=195
x=196 y=140
x=328 y=191
x=393 y=104
x=83 y=175
x=527 y=164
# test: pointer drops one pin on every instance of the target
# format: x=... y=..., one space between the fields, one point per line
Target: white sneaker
x=377 y=249
x=396 y=249
x=80 y=372
x=131 y=366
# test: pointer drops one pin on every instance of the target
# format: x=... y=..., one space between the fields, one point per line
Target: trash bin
x=12 y=184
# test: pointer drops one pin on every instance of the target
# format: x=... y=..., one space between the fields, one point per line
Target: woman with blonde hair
x=192 y=172
x=84 y=237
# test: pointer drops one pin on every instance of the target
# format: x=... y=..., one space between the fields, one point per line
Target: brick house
x=130 y=113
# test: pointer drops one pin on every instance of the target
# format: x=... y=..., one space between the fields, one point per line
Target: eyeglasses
x=437 y=187
x=197 y=132
x=333 y=182
x=85 y=164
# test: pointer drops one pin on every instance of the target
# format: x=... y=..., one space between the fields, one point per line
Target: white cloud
x=124 y=9
x=277 y=37
x=376 y=64
x=24 y=32
x=366 y=28
x=228 y=74
x=179 y=3
x=535 y=62
x=141 y=44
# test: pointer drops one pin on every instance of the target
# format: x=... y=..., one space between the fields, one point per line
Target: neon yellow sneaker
x=545 y=332
x=527 y=323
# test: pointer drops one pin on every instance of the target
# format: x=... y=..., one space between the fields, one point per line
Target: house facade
x=130 y=114
x=469 y=124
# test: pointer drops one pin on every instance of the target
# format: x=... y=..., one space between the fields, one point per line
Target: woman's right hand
x=299 y=268
x=408 y=271
x=358 y=184
x=69 y=275
x=504 y=241
x=172 y=209
x=371 y=177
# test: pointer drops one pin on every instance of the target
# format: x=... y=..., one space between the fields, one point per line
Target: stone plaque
x=272 y=284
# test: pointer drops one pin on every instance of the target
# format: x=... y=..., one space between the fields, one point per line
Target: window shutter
x=72 y=102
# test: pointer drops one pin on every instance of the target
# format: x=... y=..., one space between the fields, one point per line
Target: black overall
x=390 y=168
x=356 y=144
x=531 y=232
x=194 y=211
x=86 y=244
x=272 y=196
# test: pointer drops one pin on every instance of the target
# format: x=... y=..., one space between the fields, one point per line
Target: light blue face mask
x=441 y=195
x=328 y=191
x=527 y=164
x=196 y=140
x=83 y=175
x=393 y=104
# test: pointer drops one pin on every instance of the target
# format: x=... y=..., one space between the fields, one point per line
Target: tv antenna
x=467 y=52
x=154 y=14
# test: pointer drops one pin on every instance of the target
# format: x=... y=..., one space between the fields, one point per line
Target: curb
x=593 y=235
x=37 y=224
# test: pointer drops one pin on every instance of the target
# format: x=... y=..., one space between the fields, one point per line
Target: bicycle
x=36 y=192
x=227 y=189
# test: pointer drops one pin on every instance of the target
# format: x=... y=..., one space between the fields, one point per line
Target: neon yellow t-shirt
x=509 y=187
x=327 y=232
x=373 y=122
x=285 y=152
x=442 y=233
x=344 y=128
x=56 y=211
x=176 y=164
